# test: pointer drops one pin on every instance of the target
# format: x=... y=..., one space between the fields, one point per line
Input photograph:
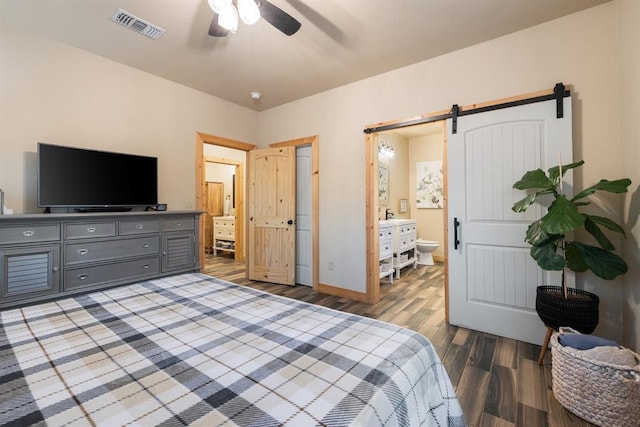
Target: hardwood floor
x=498 y=380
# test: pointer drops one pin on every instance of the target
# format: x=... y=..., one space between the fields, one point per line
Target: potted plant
x=553 y=249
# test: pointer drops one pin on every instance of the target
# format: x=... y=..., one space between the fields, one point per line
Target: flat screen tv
x=91 y=180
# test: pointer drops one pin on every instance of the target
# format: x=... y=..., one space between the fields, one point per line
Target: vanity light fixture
x=385 y=151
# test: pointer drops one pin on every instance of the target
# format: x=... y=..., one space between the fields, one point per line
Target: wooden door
x=492 y=277
x=214 y=205
x=271 y=211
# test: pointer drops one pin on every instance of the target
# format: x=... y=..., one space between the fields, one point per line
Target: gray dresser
x=45 y=256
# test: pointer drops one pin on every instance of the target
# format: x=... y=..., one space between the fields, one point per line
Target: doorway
x=203 y=139
x=311 y=216
x=460 y=180
x=412 y=144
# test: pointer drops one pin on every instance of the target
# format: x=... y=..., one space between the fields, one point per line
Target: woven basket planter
x=599 y=392
x=579 y=311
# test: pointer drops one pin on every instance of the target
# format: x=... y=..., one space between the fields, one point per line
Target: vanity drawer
x=386 y=249
x=138 y=226
x=178 y=224
x=90 y=229
x=30 y=233
x=407 y=243
x=76 y=253
x=103 y=274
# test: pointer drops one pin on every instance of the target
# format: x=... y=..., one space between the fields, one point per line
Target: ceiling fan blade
x=279 y=18
x=216 y=30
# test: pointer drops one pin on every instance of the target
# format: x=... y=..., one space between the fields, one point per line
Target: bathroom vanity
x=385 y=232
x=403 y=234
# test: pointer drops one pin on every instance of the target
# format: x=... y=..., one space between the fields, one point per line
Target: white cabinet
x=224 y=234
x=386 y=251
x=404 y=244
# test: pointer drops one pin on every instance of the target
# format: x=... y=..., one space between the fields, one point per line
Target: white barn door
x=492 y=277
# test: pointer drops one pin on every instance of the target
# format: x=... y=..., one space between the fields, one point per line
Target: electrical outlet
x=189 y=205
x=331 y=265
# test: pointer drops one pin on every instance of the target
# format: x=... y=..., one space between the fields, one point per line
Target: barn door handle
x=456 y=224
x=290 y=222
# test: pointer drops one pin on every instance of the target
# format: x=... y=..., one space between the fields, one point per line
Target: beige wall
x=430 y=222
x=55 y=93
x=628 y=25
x=579 y=50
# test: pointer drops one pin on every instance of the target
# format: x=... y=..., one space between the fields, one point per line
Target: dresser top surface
x=7 y=219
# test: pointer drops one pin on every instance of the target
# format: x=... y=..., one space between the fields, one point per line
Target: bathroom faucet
x=388 y=214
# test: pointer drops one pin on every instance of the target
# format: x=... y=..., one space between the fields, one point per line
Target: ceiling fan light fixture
x=248 y=11
x=219 y=5
x=228 y=18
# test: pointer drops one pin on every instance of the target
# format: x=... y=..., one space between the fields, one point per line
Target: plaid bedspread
x=195 y=350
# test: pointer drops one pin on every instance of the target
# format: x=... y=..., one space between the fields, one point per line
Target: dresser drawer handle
x=91 y=229
x=82 y=276
x=178 y=224
x=28 y=233
x=146 y=266
x=145 y=245
x=83 y=251
x=139 y=226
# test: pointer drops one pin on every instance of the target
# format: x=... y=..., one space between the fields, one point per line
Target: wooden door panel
x=271 y=215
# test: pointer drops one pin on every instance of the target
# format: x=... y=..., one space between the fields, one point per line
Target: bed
x=196 y=350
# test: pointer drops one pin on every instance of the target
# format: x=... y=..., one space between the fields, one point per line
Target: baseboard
x=341 y=292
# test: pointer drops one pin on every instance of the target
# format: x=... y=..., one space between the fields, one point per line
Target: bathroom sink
x=394 y=221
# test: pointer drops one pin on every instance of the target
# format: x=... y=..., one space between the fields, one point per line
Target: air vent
x=136 y=24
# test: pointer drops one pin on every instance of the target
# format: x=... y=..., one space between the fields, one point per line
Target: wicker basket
x=599 y=392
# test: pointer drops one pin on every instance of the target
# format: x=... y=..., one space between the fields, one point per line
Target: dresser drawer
x=101 y=274
x=224 y=233
x=76 y=253
x=226 y=223
x=178 y=224
x=138 y=226
x=30 y=233
x=90 y=229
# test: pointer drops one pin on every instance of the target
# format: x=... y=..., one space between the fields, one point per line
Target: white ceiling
x=340 y=41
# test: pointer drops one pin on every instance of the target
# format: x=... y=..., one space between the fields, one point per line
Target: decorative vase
x=578 y=311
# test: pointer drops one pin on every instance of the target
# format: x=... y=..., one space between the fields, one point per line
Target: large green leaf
x=536 y=236
x=547 y=257
x=522 y=205
x=575 y=259
x=606 y=222
x=600 y=237
x=618 y=186
x=562 y=217
x=535 y=179
x=554 y=172
x=604 y=264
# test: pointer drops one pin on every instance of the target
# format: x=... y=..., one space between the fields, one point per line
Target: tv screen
x=93 y=180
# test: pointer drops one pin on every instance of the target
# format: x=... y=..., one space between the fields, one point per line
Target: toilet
x=425 y=249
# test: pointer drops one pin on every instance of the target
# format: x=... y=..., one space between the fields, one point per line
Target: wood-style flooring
x=498 y=380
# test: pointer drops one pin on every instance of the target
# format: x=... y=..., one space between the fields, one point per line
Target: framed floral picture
x=383 y=184
x=429 y=187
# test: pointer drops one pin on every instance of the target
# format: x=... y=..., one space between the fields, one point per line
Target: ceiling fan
x=226 y=13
